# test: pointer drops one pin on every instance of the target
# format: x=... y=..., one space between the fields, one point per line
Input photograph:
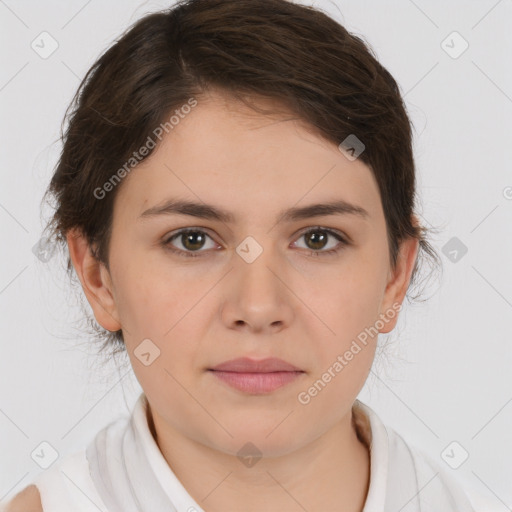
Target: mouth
x=256 y=376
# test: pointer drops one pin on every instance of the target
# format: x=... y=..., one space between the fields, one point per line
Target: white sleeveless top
x=401 y=477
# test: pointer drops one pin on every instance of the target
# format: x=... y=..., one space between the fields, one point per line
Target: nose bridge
x=257 y=261
x=259 y=297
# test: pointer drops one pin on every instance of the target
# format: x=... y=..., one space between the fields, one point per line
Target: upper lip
x=248 y=365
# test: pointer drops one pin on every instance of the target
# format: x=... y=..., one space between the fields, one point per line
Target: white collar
x=371 y=428
x=132 y=475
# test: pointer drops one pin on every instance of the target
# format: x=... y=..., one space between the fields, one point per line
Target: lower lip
x=256 y=382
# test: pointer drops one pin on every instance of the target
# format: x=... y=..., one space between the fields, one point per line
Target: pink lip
x=253 y=376
x=248 y=365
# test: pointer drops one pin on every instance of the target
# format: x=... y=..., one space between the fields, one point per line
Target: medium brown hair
x=276 y=49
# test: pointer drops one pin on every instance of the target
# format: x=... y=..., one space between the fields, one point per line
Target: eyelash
x=190 y=254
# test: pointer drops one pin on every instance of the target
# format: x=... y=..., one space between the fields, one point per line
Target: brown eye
x=318 y=239
x=191 y=240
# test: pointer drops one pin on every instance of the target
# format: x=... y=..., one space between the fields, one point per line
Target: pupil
x=317 y=239
x=190 y=237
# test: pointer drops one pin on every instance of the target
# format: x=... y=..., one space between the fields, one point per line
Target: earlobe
x=95 y=280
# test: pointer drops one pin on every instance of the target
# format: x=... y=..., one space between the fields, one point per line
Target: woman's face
x=257 y=283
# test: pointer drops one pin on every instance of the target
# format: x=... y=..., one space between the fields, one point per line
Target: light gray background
x=447 y=377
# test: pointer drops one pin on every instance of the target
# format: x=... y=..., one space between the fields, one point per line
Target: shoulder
x=28 y=500
x=405 y=473
x=438 y=484
x=65 y=486
x=68 y=486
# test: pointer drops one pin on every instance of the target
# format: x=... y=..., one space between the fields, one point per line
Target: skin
x=288 y=303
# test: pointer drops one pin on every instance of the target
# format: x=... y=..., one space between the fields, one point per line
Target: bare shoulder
x=28 y=500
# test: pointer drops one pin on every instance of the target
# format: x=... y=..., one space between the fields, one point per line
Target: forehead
x=225 y=153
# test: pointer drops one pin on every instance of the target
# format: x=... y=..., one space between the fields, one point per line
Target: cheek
x=351 y=301
x=164 y=307
x=145 y=307
x=345 y=356
x=350 y=307
x=349 y=350
x=330 y=393
x=152 y=296
x=157 y=309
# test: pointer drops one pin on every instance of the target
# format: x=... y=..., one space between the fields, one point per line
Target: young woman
x=236 y=190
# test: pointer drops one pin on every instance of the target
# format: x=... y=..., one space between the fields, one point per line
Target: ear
x=399 y=280
x=95 y=279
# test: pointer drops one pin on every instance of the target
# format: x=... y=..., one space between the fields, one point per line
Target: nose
x=257 y=295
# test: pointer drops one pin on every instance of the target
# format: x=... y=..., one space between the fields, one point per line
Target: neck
x=330 y=473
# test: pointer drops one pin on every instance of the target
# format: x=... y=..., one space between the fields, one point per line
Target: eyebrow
x=210 y=212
